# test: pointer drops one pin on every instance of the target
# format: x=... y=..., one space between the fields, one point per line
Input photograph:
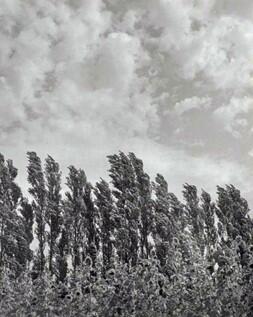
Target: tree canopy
x=122 y=247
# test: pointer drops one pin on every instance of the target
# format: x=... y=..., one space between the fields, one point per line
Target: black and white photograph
x=126 y=158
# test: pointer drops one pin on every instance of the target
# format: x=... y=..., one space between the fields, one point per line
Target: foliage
x=124 y=248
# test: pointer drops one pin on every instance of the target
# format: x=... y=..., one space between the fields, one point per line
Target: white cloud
x=61 y=63
x=229 y=115
x=82 y=79
x=223 y=53
x=192 y=103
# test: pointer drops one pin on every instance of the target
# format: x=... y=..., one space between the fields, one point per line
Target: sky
x=169 y=80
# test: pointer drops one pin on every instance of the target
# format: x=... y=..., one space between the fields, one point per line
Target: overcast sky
x=170 y=80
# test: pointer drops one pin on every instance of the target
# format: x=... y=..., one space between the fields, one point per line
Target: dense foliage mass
x=128 y=248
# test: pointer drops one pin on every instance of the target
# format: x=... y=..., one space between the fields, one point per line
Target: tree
x=53 y=214
x=91 y=225
x=61 y=256
x=165 y=222
x=194 y=214
x=145 y=205
x=37 y=190
x=11 y=229
x=209 y=222
x=174 y=259
x=128 y=219
x=25 y=254
x=106 y=211
x=74 y=214
x=233 y=212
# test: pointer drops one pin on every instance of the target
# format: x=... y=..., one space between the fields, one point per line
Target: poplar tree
x=165 y=224
x=194 y=214
x=91 y=225
x=28 y=219
x=53 y=214
x=183 y=259
x=74 y=214
x=126 y=194
x=233 y=212
x=106 y=209
x=209 y=214
x=145 y=205
x=37 y=190
x=12 y=235
x=25 y=254
x=61 y=255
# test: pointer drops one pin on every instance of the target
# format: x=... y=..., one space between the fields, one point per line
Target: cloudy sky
x=170 y=80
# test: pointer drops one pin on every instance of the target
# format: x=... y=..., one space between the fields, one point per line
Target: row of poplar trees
x=128 y=219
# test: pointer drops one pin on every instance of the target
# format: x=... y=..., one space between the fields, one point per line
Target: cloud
x=192 y=103
x=82 y=79
x=234 y=115
x=223 y=54
x=60 y=66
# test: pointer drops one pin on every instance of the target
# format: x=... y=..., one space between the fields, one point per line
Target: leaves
x=125 y=248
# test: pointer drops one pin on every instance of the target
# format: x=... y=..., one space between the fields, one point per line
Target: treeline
x=124 y=248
